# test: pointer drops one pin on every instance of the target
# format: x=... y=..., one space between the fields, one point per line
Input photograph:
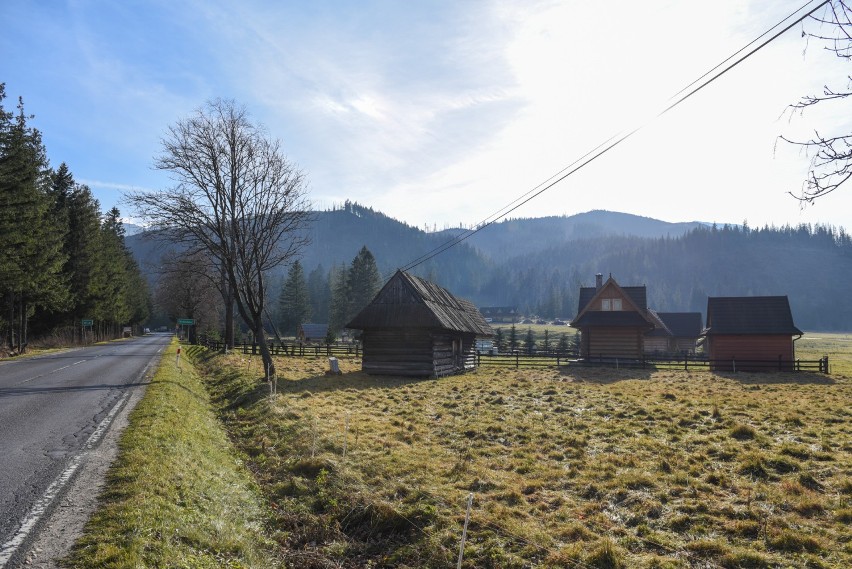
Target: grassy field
x=178 y=495
x=566 y=468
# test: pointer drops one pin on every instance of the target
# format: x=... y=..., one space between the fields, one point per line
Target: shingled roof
x=678 y=324
x=749 y=315
x=407 y=301
x=636 y=295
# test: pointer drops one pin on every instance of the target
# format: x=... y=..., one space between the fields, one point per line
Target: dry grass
x=578 y=467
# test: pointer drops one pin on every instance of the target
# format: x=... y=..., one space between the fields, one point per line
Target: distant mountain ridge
x=521 y=236
x=538 y=265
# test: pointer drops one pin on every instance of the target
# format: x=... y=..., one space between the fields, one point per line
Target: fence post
x=517 y=360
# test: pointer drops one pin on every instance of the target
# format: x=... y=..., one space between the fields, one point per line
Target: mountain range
x=539 y=264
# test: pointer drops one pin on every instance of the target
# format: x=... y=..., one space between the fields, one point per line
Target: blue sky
x=441 y=112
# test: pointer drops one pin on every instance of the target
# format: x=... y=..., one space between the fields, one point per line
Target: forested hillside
x=539 y=265
x=63 y=261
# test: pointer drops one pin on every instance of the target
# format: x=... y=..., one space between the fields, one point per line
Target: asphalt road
x=52 y=408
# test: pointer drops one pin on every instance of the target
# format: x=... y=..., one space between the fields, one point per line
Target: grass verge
x=178 y=495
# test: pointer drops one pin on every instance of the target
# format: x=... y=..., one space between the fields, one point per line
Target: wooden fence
x=293 y=349
x=519 y=359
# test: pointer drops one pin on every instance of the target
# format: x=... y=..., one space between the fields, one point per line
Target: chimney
x=598 y=281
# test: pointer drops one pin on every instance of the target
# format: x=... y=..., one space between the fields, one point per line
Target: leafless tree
x=188 y=288
x=831 y=153
x=237 y=199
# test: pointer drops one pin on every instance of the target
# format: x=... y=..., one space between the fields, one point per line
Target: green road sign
x=186 y=321
x=87 y=322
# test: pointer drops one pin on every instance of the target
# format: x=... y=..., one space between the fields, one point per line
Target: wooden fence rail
x=548 y=359
x=519 y=360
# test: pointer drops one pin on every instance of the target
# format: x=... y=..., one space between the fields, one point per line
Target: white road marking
x=40 y=507
x=50 y=372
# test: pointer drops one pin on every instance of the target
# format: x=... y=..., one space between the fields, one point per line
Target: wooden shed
x=676 y=333
x=750 y=333
x=416 y=328
x=613 y=321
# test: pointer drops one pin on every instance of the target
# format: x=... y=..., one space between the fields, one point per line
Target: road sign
x=87 y=322
x=186 y=321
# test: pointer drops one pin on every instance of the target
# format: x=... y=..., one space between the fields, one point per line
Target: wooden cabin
x=311 y=333
x=676 y=333
x=613 y=321
x=416 y=328
x=750 y=333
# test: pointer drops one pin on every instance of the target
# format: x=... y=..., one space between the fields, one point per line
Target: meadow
x=569 y=467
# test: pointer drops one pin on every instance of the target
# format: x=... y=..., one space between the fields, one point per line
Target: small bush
x=743 y=432
x=605 y=555
x=794 y=542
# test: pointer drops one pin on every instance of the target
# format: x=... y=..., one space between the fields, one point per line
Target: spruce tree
x=294 y=305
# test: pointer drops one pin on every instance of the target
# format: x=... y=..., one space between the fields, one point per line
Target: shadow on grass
x=603 y=374
x=792 y=378
x=357 y=380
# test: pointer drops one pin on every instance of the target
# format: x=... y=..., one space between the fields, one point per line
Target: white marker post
x=177 y=359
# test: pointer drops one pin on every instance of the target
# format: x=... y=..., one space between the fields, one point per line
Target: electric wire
x=613 y=141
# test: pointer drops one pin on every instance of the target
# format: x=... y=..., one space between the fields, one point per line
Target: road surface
x=54 y=411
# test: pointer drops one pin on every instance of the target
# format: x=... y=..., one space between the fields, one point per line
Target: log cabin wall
x=614 y=343
x=398 y=352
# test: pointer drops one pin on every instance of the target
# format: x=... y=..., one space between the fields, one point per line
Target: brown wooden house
x=676 y=333
x=750 y=333
x=416 y=328
x=613 y=321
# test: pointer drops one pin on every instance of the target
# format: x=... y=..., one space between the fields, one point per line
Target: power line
x=613 y=141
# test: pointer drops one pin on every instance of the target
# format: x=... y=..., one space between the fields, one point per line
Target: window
x=605 y=304
x=616 y=304
x=610 y=304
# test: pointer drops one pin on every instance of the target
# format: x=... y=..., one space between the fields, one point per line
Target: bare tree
x=237 y=198
x=188 y=288
x=831 y=154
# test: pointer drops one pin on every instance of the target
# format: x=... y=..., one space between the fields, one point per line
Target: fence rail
x=547 y=359
x=293 y=349
x=518 y=360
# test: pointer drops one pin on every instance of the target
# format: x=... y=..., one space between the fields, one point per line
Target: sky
x=440 y=113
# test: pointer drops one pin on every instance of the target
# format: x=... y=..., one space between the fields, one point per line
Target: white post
x=464 y=531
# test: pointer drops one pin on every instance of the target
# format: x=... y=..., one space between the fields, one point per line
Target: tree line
x=63 y=261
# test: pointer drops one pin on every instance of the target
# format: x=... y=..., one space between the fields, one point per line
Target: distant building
x=416 y=328
x=308 y=333
x=750 y=333
x=500 y=314
x=613 y=320
x=677 y=333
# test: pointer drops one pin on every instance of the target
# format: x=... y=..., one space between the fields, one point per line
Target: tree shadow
x=778 y=378
x=602 y=374
x=355 y=380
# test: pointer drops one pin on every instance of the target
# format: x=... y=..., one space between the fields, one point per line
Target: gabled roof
x=636 y=315
x=314 y=330
x=636 y=294
x=678 y=324
x=749 y=315
x=407 y=301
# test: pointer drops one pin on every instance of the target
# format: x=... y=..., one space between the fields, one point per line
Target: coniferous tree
x=339 y=306
x=294 y=305
x=513 y=338
x=364 y=282
x=319 y=293
x=529 y=341
x=31 y=265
